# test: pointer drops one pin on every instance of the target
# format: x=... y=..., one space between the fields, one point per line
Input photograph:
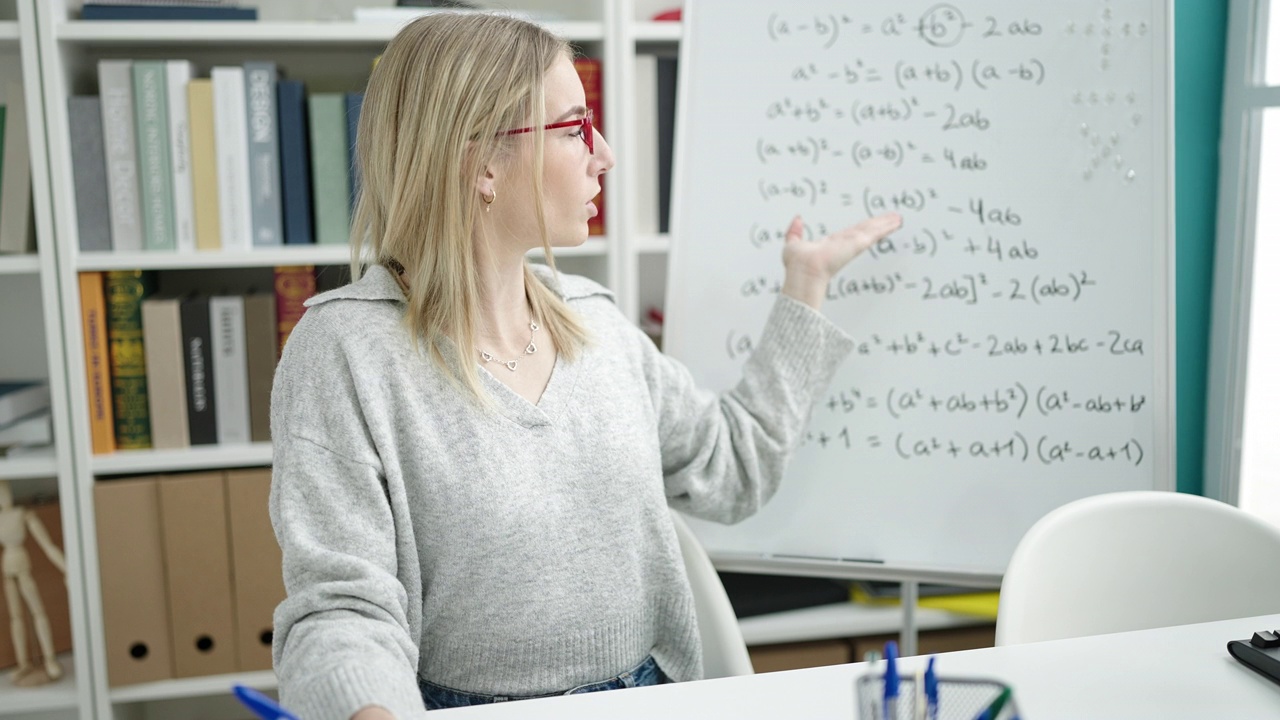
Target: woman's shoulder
x=373 y=304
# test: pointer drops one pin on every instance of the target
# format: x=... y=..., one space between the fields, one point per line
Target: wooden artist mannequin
x=19 y=586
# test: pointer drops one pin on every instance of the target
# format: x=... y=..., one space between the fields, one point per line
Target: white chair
x=1137 y=560
x=724 y=652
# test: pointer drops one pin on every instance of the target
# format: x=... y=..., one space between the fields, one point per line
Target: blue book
x=354 y=101
x=166 y=12
x=295 y=161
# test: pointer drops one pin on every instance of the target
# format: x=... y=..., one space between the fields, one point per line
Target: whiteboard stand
x=908 y=576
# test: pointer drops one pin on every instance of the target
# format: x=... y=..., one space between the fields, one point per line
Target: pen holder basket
x=958 y=699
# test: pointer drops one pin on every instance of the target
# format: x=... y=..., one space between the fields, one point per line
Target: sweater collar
x=378 y=284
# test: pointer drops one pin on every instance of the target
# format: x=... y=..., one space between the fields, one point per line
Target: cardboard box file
x=193 y=521
x=135 y=606
x=258 y=583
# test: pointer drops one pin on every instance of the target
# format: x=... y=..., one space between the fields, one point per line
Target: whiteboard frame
x=1164 y=381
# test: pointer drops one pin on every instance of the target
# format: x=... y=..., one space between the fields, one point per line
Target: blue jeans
x=437 y=697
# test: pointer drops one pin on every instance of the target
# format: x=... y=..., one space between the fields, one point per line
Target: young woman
x=475 y=455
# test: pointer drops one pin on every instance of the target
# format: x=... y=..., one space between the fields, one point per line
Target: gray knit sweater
x=519 y=550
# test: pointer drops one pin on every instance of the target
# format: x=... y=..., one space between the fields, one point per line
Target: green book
x=155 y=173
x=126 y=289
x=330 y=190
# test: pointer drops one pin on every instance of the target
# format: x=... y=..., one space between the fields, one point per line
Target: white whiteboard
x=1014 y=339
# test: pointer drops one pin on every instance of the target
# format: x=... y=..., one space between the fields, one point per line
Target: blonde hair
x=444 y=89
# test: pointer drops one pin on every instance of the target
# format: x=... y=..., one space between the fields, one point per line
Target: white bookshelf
x=29 y=282
x=27 y=264
x=329 y=56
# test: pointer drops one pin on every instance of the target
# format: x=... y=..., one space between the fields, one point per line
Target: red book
x=589 y=71
x=294 y=284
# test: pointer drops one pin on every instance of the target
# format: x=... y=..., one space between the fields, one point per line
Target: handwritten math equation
x=992 y=346
x=1048 y=450
x=943 y=25
x=965 y=288
x=1013 y=400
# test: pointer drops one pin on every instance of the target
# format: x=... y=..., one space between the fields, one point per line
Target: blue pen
x=891 y=680
x=931 y=691
x=261 y=705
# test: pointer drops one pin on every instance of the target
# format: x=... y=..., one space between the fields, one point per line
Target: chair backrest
x=1137 y=560
x=724 y=652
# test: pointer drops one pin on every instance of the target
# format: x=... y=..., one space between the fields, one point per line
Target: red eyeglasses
x=588 y=134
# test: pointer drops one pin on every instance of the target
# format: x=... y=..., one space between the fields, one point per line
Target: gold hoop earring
x=489 y=200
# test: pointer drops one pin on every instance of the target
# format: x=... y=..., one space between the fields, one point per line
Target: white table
x=1178 y=672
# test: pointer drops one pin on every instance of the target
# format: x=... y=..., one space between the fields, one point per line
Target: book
x=644 y=156
x=230 y=368
x=204 y=165
x=166 y=378
x=15 y=176
x=126 y=289
x=295 y=161
x=668 y=75
x=589 y=72
x=32 y=430
x=165 y=12
x=151 y=113
x=231 y=139
x=89 y=172
x=97 y=361
x=293 y=285
x=260 y=353
x=330 y=172
x=264 y=152
x=21 y=398
x=177 y=75
x=197 y=363
x=353 y=102
x=115 y=87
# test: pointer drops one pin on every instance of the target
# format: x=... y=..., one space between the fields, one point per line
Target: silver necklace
x=529 y=349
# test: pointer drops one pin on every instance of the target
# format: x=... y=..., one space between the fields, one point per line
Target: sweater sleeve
x=346 y=635
x=723 y=455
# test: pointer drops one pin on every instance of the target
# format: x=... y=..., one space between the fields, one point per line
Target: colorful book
x=89 y=173
x=330 y=171
x=294 y=284
x=15 y=176
x=126 y=289
x=644 y=158
x=115 y=86
x=197 y=362
x=353 y=101
x=230 y=368
x=231 y=139
x=295 y=162
x=97 y=361
x=151 y=113
x=178 y=74
x=204 y=166
x=589 y=72
x=166 y=378
x=92 y=11
x=260 y=352
x=264 y=152
x=668 y=76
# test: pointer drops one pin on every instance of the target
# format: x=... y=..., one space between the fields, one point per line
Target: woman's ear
x=486 y=182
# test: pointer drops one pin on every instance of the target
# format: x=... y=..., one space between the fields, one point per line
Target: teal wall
x=1200 y=28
